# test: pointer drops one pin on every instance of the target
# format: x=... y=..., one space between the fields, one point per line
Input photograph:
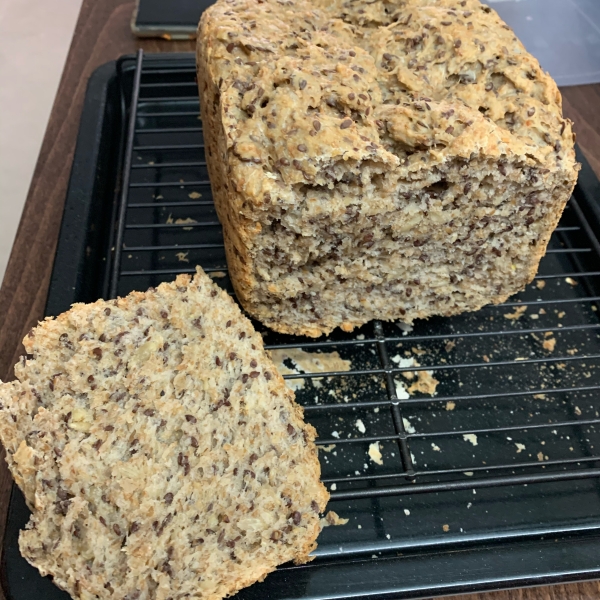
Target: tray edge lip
x=80 y=186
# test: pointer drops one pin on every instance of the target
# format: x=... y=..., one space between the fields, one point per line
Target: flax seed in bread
x=392 y=159
x=158 y=449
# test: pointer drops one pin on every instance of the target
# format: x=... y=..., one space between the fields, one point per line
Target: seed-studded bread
x=158 y=448
x=392 y=159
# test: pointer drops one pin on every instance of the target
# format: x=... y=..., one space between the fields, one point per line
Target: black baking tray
x=521 y=508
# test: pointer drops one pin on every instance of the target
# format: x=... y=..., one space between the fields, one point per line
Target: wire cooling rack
x=167 y=224
x=488 y=475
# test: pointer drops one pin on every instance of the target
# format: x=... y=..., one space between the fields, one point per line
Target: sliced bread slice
x=158 y=448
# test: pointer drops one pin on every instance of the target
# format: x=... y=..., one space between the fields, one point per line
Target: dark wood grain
x=575 y=591
x=581 y=104
x=102 y=34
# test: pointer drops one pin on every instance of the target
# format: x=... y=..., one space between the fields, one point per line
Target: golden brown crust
x=224 y=194
x=159 y=449
x=344 y=133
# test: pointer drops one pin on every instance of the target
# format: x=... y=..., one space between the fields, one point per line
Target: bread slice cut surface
x=158 y=448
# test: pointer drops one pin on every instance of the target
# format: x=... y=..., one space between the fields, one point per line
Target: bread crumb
x=335 y=434
x=182 y=257
x=217 y=275
x=186 y=221
x=404 y=363
x=520 y=447
x=194 y=195
x=450 y=346
x=307 y=362
x=418 y=351
x=517 y=314
x=360 y=426
x=486 y=358
x=401 y=392
x=426 y=383
x=577 y=411
x=375 y=454
x=436 y=447
x=469 y=473
x=540 y=284
x=542 y=311
x=549 y=344
x=561 y=314
x=406 y=512
x=446 y=528
x=539 y=396
x=408 y=425
x=540 y=456
x=326 y=448
x=333 y=487
x=332 y=518
x=450 y=405
x=570 y=281
x=572 y=351
x=470 y=437
x=534 y=317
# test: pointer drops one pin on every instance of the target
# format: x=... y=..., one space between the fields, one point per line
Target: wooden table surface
x=102 y=34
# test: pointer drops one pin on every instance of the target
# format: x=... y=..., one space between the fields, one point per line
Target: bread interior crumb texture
x=158 y=448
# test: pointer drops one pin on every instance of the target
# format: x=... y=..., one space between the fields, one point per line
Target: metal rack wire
x=166 y=224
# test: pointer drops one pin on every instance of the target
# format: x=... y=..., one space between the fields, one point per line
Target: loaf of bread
x=392 y=159
x=158 y=449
